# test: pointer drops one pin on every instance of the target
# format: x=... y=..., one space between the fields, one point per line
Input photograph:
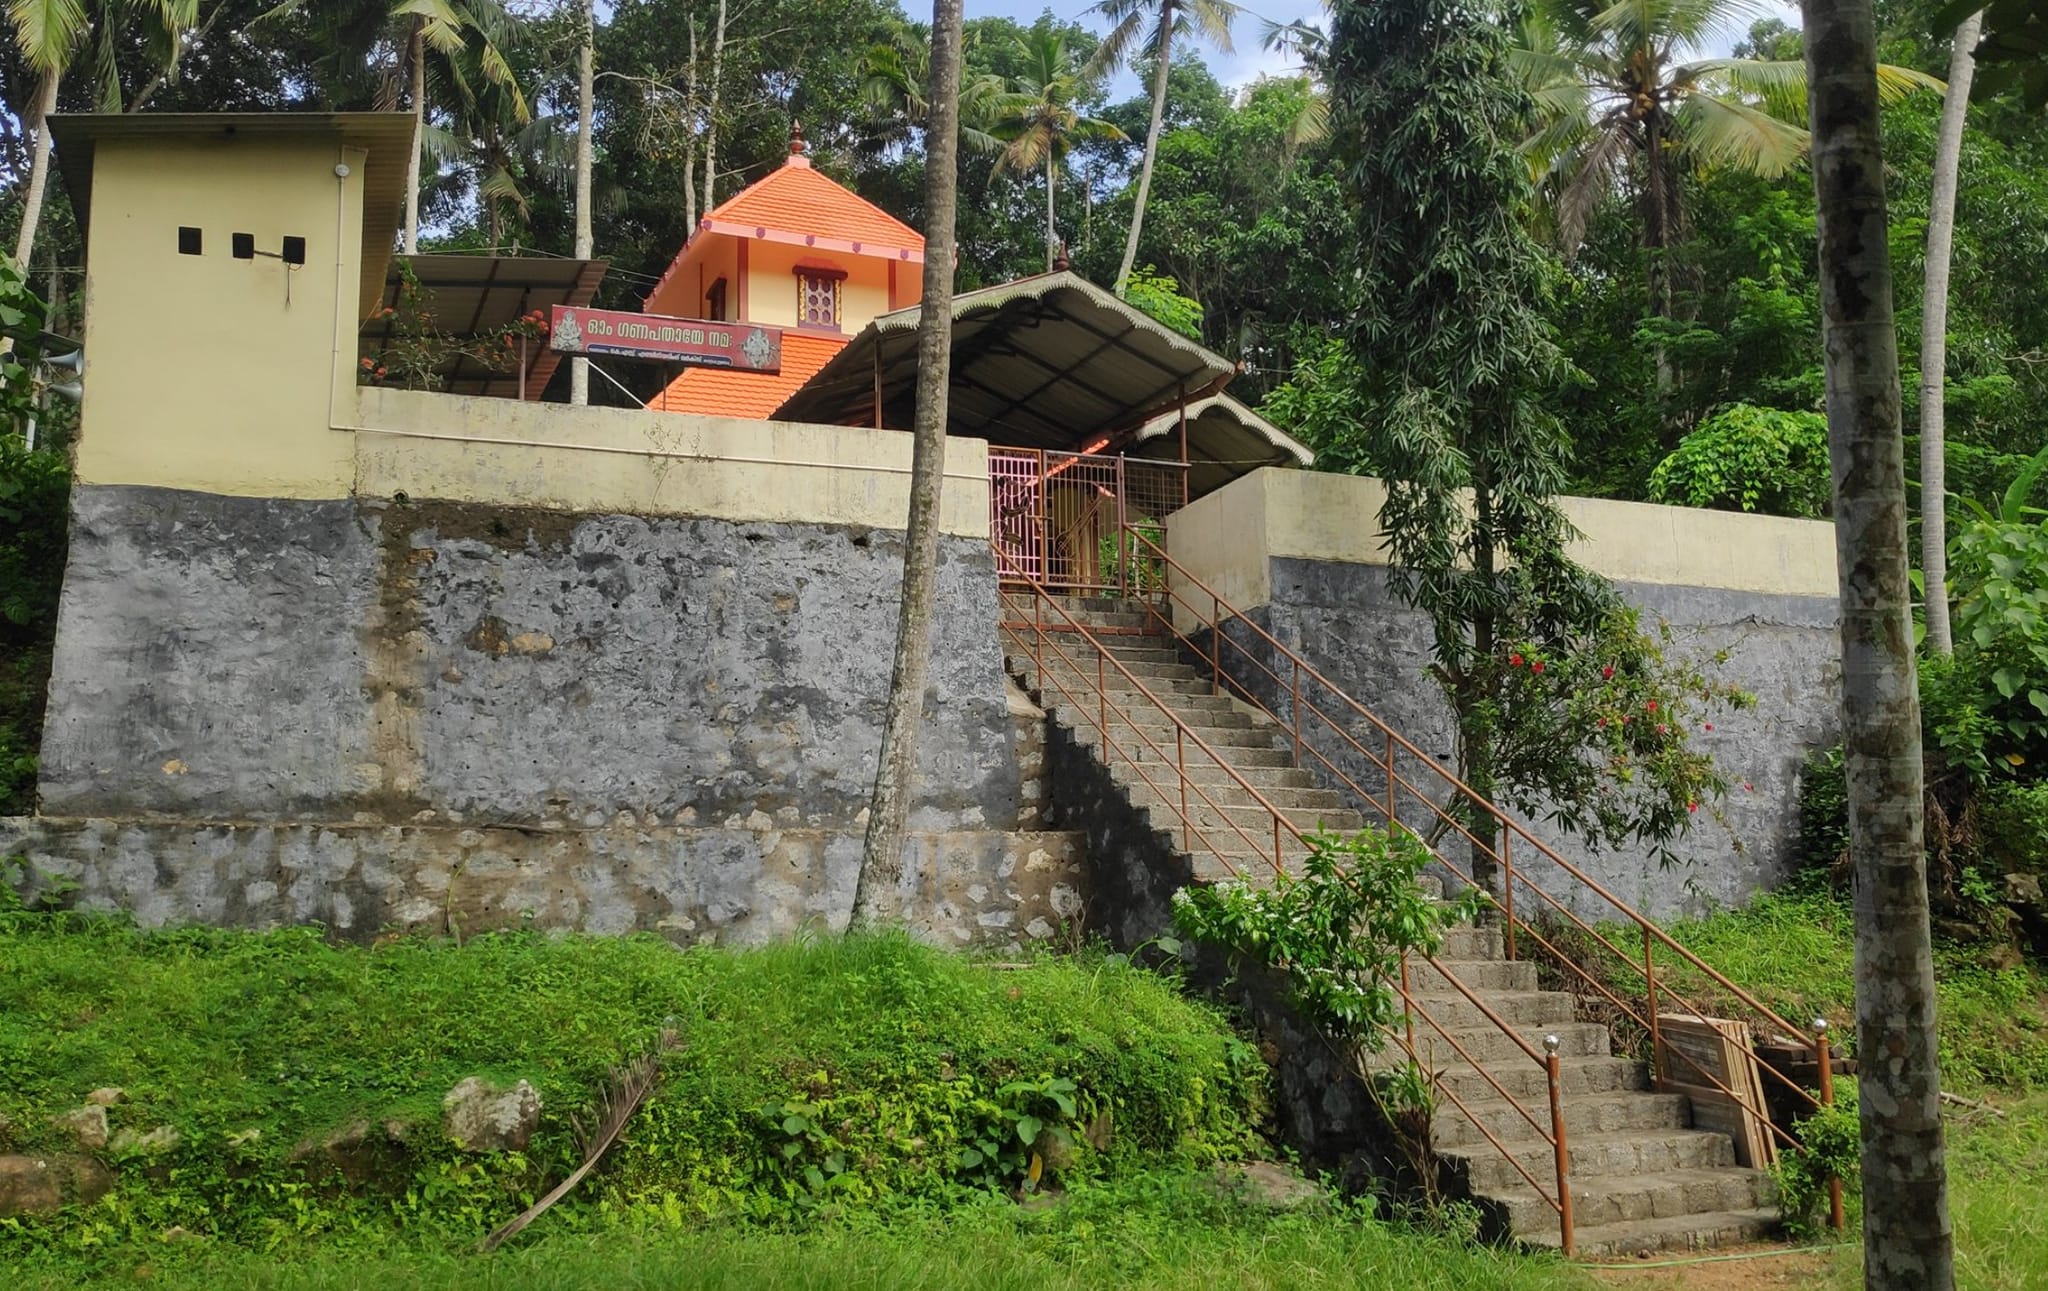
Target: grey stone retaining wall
x=737 y=886
x=428 y=663
x=1345 y=621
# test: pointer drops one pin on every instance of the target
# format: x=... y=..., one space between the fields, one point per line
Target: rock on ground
x=482 y=1117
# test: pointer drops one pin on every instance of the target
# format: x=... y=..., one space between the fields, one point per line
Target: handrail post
x=1836 y=1219
x=1180 y=758
x=1568 y=1240
x=1407 y=1005
x=1650 y=997
x=1507 y=871
x=1278 y=865
x=1102 y=699
x=1123 y=577
x=1393 y=803
x=1215 y=645
x=1294 y=708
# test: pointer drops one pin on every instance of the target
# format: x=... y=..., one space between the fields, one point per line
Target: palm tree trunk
x=416 y=52
x=1052 y=231
x=1658 y=220
x=881 y=866
x=690 y=141
x=1907 y=1238
x=1159 y=70
x=579 y=368
x=711 y=113
x=38 y=172
x=1941 y=229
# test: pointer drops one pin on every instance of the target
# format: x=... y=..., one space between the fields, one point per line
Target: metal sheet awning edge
x=845 y=386
x=1223 y=407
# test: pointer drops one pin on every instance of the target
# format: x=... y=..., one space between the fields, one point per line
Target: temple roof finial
x=1060 y=262
x=796 y=138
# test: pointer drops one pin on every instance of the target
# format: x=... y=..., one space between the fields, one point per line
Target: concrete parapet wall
x=736 y=886
x=612 y=460
x=1300 y=555
x=443 y=663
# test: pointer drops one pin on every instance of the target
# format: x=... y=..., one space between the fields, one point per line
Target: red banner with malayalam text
x=617 y=333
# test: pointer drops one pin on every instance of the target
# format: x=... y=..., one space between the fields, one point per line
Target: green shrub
x=2012 y=827
x=1830 y=1147
x=898 y=1058
x=1746 y=458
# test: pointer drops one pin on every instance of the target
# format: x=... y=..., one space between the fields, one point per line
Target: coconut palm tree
x=1146 y=28
x=51 y=34
x=1617 y=96
x=893 y=74
x=1040 y=120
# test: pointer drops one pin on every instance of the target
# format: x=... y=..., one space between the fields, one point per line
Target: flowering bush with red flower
x=1597 y=738
x=420 y=356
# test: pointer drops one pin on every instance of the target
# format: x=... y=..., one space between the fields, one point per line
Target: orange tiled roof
x=732 y=392
x=795 y=199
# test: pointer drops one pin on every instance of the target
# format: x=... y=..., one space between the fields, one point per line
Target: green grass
x=1796 y=955
x=898 y=1056
x=1997 y=1170
x=1166 y=1231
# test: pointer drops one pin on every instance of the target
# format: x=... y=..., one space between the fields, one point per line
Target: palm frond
x=1725 y=132
x=47 y=32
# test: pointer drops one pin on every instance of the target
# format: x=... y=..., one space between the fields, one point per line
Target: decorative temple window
x=817 y=296
x=714 y=303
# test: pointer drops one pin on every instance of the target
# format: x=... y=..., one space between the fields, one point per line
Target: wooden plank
x=1700 y=1058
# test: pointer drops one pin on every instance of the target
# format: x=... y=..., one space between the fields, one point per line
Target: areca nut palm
x=1040 y=120
x=461 y=35
x=893 y=73
x=1138 y=28
x=1615 y=84
x=50 y=34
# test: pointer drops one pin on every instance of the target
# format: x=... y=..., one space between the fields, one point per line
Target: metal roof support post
x=1183 y=443
x=878 y=387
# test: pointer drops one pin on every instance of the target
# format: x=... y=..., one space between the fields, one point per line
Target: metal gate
x=1058 y=519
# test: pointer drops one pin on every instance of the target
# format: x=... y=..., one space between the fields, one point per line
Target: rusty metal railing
x=1446 y=803
x=1058 y=670
x=1062 y=519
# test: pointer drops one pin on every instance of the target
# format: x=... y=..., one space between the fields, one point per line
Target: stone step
x=1488 y=1172
x=1608 y=1203
x=1223 y=791
x=1613 y=1113
x=1150 y=748
x=1152 y=732
x=1525 y=1009
x=1471 y=943
x=1065 y=685
x=1078 y=665
x=1526 y=1081
x=1479 y=974
x=1252 y=819
x=1492 y=1047
x=1701 y=1232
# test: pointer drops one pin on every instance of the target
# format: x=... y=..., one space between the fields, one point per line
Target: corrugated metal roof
x=1225 y=440
x=732 y=392
x=386 y=138
x=470 y=294
x=1051 y=361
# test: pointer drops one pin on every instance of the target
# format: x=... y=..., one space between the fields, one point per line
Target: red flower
x=1706 y=726
x=368 y=364
x=1692 y=806
x=1514 y=661
x=1602 y=723
x=1662 y=729
x=1608 y=671
x=1747 y=787
x=1650 y=707
x=380 y=374
x=1537 y=666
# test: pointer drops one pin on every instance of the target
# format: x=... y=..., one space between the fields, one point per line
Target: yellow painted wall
x=683 y=295
x=771 y=284
x=207 y=372
x=1227 y=538
x=625 y=461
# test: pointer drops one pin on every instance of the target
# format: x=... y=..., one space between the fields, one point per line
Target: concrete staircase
x=1642 y=1179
